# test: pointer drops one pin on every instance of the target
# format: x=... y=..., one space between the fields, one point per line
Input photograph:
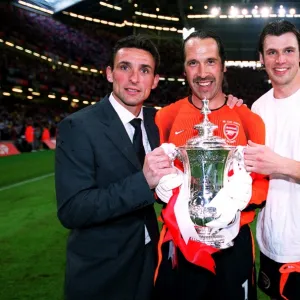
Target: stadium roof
x=165 y=19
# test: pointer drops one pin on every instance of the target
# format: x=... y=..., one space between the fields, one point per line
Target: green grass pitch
x=32 y=241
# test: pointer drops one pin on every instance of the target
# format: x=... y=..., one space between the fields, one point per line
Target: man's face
x=203 y=68
x=281 y=58
x=132 y=77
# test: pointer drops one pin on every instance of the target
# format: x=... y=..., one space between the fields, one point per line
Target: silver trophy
x=206 y=160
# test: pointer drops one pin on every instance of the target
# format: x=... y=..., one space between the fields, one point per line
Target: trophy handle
x=181 y=155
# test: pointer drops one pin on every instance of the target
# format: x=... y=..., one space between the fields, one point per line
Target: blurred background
x=53 y=56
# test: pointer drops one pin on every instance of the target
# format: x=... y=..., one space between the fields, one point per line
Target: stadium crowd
x=78 y=44
x=50 y=37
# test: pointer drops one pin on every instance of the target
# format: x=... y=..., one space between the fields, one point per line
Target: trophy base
x=210 y=236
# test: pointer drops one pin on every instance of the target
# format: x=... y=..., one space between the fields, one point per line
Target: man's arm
x=261 y=159
x=83 y=201
x=290 y=168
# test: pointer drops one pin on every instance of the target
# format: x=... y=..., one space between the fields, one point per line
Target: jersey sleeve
x=161 y=126
x=164 y=120
x=253 y=125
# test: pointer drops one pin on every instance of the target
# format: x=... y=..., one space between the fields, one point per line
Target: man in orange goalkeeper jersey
x=195 y=270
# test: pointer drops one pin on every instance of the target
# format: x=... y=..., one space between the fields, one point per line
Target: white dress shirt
x=126 y=116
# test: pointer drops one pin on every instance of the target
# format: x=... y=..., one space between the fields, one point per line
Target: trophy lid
x=206 y=138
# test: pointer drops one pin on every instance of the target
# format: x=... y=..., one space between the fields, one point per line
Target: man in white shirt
x=278 y=225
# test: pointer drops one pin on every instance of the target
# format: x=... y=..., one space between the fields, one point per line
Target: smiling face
x=281 y=59
x=132 y=77
x=204 y=70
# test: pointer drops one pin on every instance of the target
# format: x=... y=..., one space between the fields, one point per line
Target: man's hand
x=157 y=164
x=261 y=159
x=167 y=183
x=233 y=101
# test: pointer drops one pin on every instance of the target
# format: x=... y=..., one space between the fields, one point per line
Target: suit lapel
x=150 y=127
x=115 y=131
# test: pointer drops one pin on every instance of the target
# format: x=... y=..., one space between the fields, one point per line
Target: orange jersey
x=45 y=134
x=237 y=126
x=29 y=134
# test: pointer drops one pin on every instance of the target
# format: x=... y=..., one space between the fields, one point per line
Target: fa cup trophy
x=206 y=161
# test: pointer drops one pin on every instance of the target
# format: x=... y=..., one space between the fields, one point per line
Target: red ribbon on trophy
x=195 y=252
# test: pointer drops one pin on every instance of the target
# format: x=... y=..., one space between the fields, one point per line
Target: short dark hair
x=277 y=28
x=202 y=34
x=139 y=42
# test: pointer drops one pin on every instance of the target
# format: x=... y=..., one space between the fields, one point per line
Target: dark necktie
x=148 y=211
x=138 y=139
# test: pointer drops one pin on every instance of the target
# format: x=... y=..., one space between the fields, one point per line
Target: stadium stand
x=78 y=44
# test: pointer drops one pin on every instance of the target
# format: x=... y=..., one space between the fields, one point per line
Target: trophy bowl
x=206 y=161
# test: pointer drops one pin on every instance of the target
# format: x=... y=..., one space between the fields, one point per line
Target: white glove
x=170 y=149
x=167 y=183
x=239 y=187
x=233 y=197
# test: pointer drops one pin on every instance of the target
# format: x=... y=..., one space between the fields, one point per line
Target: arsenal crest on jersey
x=231 y=131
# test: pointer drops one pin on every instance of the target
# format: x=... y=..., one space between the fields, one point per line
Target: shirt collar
x=125 y=115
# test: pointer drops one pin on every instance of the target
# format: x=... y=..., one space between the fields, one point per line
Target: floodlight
x=244 y=11
x=281 y=12
x=265 y=11
x=215 y=11
x=233 y=11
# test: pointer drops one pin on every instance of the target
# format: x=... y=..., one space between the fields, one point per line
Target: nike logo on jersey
x=178 y=132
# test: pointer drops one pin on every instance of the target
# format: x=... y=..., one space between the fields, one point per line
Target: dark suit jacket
x=104 y=199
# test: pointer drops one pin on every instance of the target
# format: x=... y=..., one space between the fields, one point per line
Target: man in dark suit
x=104 y=182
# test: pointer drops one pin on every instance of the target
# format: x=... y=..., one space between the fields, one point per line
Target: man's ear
x=109 y=74
x=261 y=58
x=224 y=68
x=155 y=82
